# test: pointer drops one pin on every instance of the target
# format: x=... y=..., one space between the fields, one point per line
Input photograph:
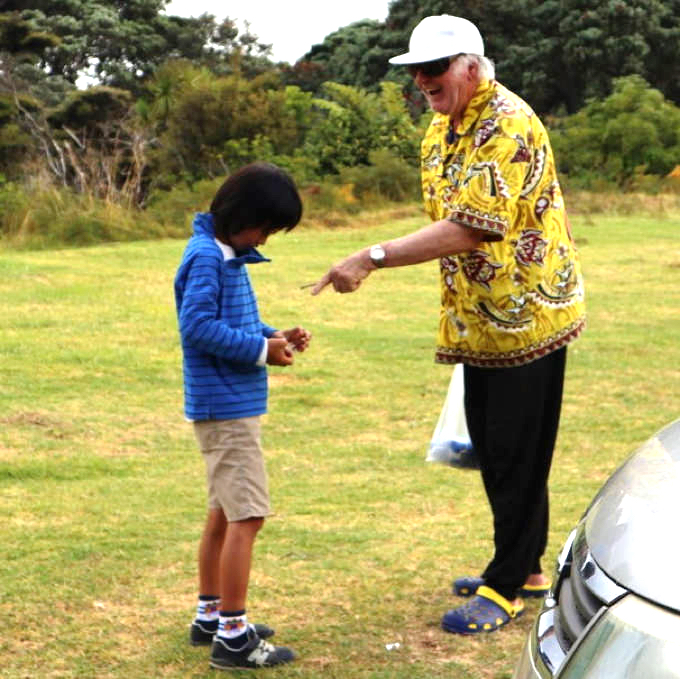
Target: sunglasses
x=431 y=69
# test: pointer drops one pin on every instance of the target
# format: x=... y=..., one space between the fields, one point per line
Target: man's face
x=450 y=92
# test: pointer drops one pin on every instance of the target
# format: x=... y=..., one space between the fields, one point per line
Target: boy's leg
x=237 y=643
x=204 y=626
x=209 y=552
x=237 y=482
x=234 y=563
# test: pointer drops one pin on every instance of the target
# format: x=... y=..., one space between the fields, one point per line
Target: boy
x=225 y=348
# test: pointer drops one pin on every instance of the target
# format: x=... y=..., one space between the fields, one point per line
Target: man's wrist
x=377 y=255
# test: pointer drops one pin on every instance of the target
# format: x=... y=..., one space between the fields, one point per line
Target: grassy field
x=101 y=487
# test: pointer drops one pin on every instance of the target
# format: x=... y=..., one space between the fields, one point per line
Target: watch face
x=378 y=255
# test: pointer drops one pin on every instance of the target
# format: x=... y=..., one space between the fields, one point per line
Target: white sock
x=232 y=626
x=208 y=610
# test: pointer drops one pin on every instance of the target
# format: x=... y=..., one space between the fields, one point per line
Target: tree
x=634 y=131
x=554 y=53
x=589 y=45
x=558 y=53
x=353 y=122
x=20 y=82
x=210 y=123
x=122 y=43
x=352 y=55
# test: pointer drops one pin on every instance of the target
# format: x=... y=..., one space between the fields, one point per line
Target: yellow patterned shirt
x=518 y=295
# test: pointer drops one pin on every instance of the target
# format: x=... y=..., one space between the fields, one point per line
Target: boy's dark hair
x=258 y=195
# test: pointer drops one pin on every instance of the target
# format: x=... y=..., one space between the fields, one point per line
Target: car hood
x=632 y=524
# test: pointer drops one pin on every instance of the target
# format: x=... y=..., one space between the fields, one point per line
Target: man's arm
x=431 y=242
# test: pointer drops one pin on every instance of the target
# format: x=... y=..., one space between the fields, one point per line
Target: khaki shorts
x=237 y=480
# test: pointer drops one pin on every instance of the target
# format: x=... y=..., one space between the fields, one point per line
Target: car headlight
x=633 y=640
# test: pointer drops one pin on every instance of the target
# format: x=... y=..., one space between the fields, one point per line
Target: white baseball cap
x=441 y=36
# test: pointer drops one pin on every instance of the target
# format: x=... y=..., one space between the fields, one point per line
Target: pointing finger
x=321 y=284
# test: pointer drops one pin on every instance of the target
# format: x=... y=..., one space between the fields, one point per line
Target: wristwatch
x=377 y=255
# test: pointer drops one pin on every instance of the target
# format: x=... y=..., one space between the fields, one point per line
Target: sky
x=290 y=26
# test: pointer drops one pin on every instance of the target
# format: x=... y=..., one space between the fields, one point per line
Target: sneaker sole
x=225 y=665
x=218 y=666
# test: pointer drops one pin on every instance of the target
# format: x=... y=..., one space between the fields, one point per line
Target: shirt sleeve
x=267 y=330
x=199 y=324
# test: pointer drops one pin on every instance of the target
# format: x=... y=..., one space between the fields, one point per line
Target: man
x=512 y=295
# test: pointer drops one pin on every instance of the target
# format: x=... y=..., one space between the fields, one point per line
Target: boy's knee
x=216 y=523
x=256 y=522
x=250 y=525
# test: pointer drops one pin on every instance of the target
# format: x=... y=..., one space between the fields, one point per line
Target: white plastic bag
x=450 y=443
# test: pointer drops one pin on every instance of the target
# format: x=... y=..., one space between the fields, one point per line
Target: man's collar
x=475 y=107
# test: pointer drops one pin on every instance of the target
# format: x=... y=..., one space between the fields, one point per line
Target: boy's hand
x=298 y=338
x=278 y=351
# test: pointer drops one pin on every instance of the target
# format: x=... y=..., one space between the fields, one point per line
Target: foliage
x=19 y=38
x=122 y=43
x=21 y=86
x=208 y=125
x=352 y=55
x=386 y=176
x=15 y=143
x=354 y=122
x=344 y=134
x=573 y=50
x=555 y=54
x=633 y=132
x=87 y=109
x=89 y=144
x=185 y=101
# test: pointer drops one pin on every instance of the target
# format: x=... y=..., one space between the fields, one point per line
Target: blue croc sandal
x=469 y=585
x=486 y=612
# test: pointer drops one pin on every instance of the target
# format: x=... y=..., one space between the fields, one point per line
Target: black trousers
x=513 y=415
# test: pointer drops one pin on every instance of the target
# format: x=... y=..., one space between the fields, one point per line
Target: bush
x=387 y=177
x=631 y=135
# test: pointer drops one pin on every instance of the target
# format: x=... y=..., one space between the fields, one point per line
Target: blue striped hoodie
x=220 y=329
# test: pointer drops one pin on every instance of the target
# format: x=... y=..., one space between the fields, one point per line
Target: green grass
x=101 y=487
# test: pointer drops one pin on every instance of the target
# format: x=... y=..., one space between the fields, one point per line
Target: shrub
x=386 y=177
x=631 y=134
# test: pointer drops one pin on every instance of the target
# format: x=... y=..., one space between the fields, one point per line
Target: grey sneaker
x=256 y=652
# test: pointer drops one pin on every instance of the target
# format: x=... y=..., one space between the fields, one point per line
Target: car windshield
x=634 y=640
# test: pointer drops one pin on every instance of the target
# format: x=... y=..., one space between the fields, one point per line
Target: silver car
x=614 y=611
